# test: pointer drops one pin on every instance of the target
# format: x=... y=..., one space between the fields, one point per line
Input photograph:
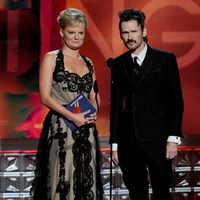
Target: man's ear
x=144 y=32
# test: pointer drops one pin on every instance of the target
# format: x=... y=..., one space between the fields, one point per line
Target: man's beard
x=131 y=47
x=134 y=47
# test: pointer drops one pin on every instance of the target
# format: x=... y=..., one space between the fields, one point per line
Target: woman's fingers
x=92 y=118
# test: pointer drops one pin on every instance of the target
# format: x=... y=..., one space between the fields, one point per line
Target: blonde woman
x=67 y=165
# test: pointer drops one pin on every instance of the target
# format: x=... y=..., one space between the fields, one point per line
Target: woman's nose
x=77 y=36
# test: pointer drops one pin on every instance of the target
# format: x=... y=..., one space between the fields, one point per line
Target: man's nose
x=130 y=36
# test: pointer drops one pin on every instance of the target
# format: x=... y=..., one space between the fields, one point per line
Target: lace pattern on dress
x=83 y=173
x=63 y=186
x=72 y=81
x=40 y=182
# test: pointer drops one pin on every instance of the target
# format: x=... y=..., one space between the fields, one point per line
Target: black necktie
x=136 y=66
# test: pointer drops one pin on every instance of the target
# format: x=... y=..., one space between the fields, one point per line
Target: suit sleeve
x=116 y=105
x=176 y=96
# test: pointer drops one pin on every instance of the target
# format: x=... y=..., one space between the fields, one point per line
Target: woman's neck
x=71 y=53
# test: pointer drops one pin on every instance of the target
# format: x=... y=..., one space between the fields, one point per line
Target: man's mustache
x=129 y=41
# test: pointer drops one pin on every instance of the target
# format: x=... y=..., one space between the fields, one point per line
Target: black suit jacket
x=148 y=106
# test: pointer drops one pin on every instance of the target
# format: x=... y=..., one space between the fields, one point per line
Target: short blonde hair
x=71 y=16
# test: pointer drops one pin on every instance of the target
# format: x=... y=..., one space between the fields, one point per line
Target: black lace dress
x=67 y=164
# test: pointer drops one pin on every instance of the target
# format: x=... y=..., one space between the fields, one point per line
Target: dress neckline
x=85 y=60
x=80 y=76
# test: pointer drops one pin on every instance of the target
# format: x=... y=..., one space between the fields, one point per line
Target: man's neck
x=141 y=55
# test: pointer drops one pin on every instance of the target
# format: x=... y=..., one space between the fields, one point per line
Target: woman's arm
x=94 y=94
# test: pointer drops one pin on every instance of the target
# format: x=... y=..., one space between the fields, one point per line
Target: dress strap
x=95 y=85
x=88 y=63
x=58 y=73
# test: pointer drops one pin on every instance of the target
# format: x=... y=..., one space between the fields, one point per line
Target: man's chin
x=131 y=47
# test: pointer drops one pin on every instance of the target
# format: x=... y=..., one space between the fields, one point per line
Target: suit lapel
x=146 y=65
x=128 y=69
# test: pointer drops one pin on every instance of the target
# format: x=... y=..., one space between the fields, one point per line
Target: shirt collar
x=141 y=55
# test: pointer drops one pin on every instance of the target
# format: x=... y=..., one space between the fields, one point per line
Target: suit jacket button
x=134 y=108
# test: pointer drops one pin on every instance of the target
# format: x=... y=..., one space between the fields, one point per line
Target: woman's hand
x=92 y=118
x=79 y=118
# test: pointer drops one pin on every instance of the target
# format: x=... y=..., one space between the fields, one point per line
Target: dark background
x=28 y=29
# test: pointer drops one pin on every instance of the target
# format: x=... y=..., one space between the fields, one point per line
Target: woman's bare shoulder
x=49 y=59
x=51 y=54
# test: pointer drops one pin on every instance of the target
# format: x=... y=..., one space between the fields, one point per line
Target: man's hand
x=171 y=150
x=115 y=158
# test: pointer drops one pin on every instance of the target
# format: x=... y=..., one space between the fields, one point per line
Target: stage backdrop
x=29 y=29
